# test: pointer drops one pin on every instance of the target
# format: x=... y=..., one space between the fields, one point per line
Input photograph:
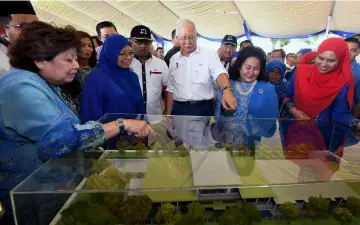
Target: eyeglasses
x=189 y=38
x=354 y=50
x=142 y=42
x=275 y=71
x=230 y=47
x=124 y=54
x=21 y=25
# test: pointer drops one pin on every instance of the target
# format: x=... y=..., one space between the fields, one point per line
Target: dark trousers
x=205 y=109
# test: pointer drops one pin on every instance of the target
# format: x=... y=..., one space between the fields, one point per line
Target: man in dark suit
x=174 y=49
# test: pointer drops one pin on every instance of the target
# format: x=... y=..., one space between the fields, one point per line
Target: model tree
x=317 y=207
x=290 y=211
x=195 y=214
x=168 y=215
x=242 y=214
x=233 y=216
x=343 y=216
x=251 y=212
x=135 y=210
x=353 y=205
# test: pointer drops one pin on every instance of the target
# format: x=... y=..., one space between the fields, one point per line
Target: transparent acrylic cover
x=202 y=159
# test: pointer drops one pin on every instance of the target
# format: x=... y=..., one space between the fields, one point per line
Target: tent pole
x=328 y=25
x=246 y=29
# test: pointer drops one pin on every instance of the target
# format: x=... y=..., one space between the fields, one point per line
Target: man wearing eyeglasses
x=152 y=72
x=104 y=29
x=227 y=48
x=192 y=73
x=12 y=18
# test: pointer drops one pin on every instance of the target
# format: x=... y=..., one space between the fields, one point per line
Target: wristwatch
x=227 y=88
x=120 y=123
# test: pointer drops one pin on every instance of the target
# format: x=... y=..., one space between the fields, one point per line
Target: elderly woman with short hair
x=37 y=120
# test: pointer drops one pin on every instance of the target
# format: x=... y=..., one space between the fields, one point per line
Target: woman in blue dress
x=37 y=120
x=275 y=73
x=112 y=87
x=320 y=97
x=256 y=101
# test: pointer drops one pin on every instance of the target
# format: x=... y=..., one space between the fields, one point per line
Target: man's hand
x=228 y=100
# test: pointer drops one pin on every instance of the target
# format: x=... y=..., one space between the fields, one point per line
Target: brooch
x=261 y=91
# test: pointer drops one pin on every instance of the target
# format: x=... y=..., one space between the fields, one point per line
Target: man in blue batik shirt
x=353 y=45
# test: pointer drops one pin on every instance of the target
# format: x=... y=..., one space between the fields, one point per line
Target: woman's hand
x=298 y=114
x=139 y=128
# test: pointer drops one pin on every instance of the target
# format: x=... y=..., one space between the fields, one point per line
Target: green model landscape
x=168 y=179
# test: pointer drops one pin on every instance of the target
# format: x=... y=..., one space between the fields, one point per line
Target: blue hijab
x=281 y=85
x=304 y=50
x=108 y=61
x=110 y=88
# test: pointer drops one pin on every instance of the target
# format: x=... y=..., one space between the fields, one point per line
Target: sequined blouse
x=256 y=101
x=36 y=124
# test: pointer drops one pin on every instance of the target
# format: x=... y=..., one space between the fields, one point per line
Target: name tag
x=155 y=73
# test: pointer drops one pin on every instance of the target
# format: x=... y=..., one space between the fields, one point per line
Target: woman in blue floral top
x=256 y=101
x=37 y=120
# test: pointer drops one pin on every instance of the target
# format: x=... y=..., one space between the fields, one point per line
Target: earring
x=41 y=67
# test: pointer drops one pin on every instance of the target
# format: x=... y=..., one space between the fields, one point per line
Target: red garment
x=315 y=91
x=308 y=57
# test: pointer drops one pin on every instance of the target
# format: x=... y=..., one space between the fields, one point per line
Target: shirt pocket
x=201 y=74
x=154 y=80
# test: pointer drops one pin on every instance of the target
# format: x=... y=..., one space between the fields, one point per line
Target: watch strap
x=120 y=123
x=227 y=88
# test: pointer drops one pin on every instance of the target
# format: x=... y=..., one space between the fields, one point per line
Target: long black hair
x=245 y=53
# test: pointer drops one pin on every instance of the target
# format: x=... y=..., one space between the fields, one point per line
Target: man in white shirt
x=190 y=89
x=191 y=71
x=290 y=57
x=12 y=19
x=152 y=72
x=227 y=48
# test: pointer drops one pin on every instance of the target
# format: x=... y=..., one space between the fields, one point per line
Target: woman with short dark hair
x=37 y=120
x=256 y=100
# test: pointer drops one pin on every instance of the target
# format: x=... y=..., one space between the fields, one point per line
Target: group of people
x=56 y=89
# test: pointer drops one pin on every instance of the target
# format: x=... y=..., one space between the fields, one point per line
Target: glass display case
x=205 y=162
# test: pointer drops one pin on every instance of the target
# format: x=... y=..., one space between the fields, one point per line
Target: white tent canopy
x=214 y=19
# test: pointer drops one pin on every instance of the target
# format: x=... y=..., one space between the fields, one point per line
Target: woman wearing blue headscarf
x=275 y=73
x=297 y=60
x=112 y=87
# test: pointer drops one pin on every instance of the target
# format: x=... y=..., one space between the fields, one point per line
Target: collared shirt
x=226 y=64
x=191 y=78
x=289 y=68
x=98 y=51
x=156 y=76
x=4 y=60
x=355 y=67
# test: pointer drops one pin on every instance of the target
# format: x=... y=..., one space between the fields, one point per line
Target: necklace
x=64 y=97
x=245 y=93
